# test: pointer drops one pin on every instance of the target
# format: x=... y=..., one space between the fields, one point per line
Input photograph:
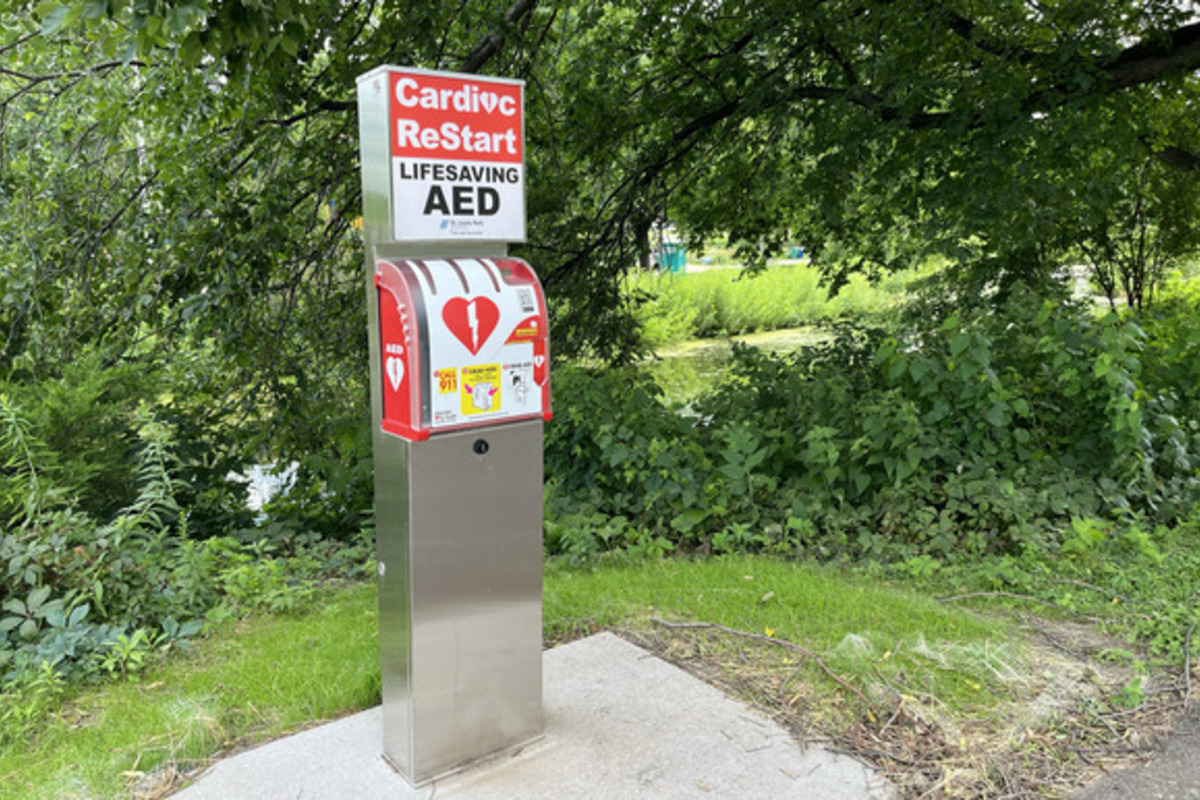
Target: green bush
x=84 y=597
x=983 y=432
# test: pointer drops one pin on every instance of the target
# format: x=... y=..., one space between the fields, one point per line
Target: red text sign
x=445 y=117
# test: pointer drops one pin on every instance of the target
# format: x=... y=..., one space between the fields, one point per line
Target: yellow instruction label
x=480 y=388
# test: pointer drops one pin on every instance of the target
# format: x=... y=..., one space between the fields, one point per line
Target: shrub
x=984 y=431
x=85 y=598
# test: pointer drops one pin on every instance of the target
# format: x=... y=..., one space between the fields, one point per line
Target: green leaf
x=37 y=597
x=733 y=471
x=94 y=9
x=192 y=48
x=996 y=416
x=130 y=53
x=53 y=21
x=688 y=519
x=15 y=606
x=77 y=615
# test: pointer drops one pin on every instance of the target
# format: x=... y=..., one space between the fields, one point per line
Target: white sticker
x=395 y=372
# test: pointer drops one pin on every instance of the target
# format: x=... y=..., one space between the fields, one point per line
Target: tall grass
x=725 y=302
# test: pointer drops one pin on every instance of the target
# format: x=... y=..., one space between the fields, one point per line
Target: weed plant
x=84 y=600
x=1137 y=581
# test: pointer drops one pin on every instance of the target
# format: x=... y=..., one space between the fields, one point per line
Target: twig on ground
x=1091 y=709
x=895 y=715
x=880 y=754
x=1011 y=595
x=1093 y=587
x=769 y=640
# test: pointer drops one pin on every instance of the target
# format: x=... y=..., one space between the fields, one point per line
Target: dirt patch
x=1076 y=705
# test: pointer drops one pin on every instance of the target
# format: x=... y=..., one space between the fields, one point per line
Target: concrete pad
x=620 y=723
x=1171 y=775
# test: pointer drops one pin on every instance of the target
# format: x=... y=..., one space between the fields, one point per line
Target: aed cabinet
x=464 y=388
x=463 y=344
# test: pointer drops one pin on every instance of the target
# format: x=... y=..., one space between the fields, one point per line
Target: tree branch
x=1179 y=158
x=312 y=111
x=492 y=42
x=1148 y=60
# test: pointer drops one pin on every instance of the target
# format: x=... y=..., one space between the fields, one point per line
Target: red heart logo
x=471 y=321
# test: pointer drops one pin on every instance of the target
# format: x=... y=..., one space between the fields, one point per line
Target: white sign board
x=458 y=160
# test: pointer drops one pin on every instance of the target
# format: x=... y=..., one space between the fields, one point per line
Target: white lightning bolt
x=473 y=323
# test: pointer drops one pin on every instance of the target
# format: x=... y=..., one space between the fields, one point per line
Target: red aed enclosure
x=463 y=344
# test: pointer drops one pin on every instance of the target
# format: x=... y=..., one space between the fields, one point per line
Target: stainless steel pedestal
x=458 y=526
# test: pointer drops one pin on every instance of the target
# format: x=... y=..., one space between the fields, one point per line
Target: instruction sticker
x=481 y=385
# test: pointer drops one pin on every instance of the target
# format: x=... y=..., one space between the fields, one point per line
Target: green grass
x=724 y=302
x=884 y=640
x=266 y=676
x=273 y=674
x=686 y=370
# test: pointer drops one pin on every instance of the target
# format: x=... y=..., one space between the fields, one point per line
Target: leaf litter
x=1066 y=704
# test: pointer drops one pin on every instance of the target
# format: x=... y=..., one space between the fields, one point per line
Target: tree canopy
x=189 y=167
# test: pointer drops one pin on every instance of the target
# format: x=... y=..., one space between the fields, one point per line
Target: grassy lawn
x=724 y=302
x=254 y=680
x=824 y=651
x=879 y=638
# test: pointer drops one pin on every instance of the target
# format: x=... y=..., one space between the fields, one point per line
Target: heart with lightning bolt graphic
x=471 y=321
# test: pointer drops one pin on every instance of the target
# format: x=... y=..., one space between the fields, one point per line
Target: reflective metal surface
x=460 y=598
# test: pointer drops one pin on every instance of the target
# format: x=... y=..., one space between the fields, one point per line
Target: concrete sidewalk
x=620 y=723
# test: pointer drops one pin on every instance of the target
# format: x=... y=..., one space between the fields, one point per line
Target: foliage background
x=181 y=290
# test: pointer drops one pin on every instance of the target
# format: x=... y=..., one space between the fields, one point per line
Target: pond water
x=686 y=370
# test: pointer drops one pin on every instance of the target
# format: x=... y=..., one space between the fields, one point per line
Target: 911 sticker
x=447 y=381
